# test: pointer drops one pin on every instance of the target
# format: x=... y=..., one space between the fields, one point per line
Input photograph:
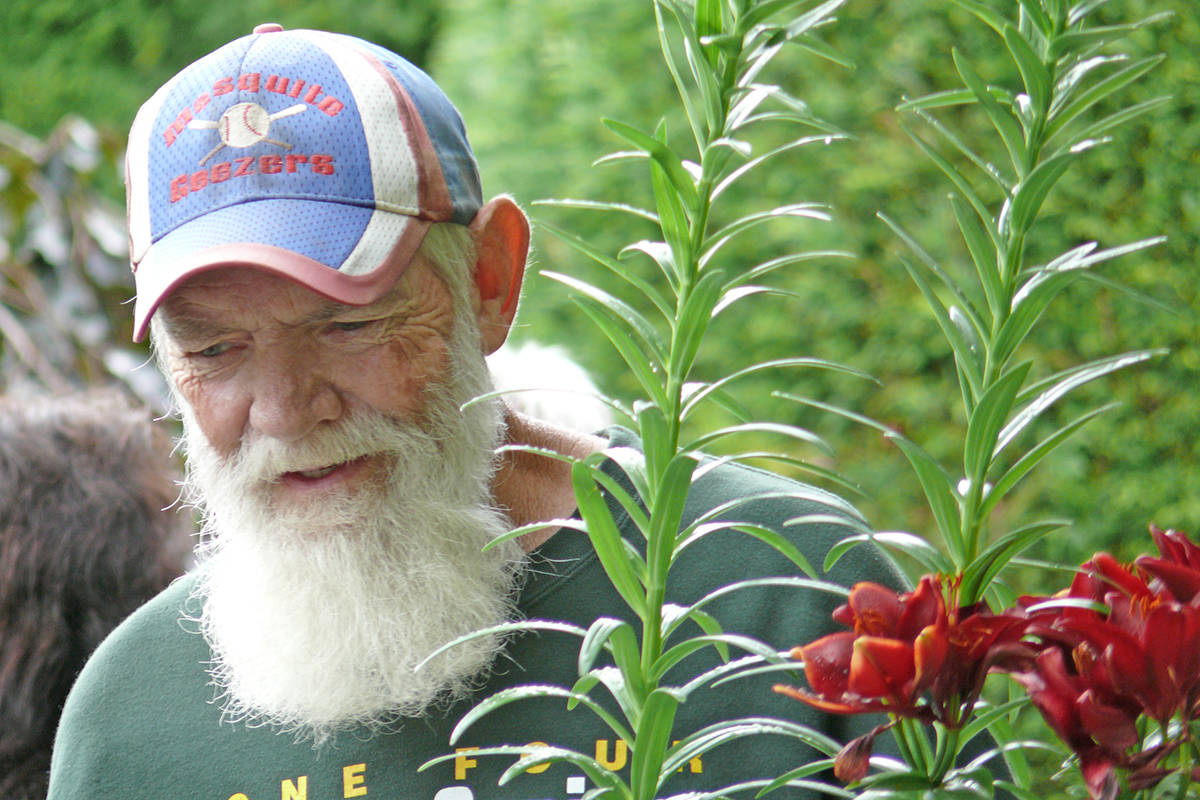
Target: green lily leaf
x=666 y=515
x=817 y=211
x=1034 y=74
x=519 y=626
x=984 y=254
x=653 y=736
x=792 y=431
x=518 y=693
x=986 y=420
x=613 y=266
x=1031 y=459
x=984 y=13
x=594 y=641
x=1034 y=12
x=907 y=544
x=693 y=320
x=980 y=572
x=939 y=491
x=705 y=739
x=1003 y=122
x=781 y=543
x=606 y=540
x=1100 y=35
x=779 y=363
x=1102 y=89
x=1072 y=380
x=662 y=155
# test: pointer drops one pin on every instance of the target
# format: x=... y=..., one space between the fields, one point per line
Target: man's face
x=339 y=481
x=254 y=355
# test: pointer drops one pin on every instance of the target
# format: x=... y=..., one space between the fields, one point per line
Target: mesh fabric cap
x=316 y=156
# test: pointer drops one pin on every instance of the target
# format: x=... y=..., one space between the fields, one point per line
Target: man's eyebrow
x=391 y=302
x=182 y=326
x=179 y=324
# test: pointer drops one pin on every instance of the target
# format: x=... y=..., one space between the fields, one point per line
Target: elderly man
x=321 y=281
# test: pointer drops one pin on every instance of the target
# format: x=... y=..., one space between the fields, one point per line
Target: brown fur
x=84 y=540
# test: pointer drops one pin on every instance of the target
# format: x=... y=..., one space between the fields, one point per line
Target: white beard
x=318 y=614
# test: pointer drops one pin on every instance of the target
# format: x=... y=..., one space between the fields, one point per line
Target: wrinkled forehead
x=235 y=297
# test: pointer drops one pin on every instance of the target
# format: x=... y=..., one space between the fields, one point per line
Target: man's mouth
x=316 y=474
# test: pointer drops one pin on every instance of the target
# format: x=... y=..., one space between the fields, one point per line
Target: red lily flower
x=1178 y=570
x=903 y=646
x=1101 y=669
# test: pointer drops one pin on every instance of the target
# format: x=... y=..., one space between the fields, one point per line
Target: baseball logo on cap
x=245 y=125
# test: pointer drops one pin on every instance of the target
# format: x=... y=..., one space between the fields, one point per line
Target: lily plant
x=1045 y=123
x=717 y=52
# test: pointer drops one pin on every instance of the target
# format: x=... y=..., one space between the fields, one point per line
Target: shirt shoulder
x=139 y=675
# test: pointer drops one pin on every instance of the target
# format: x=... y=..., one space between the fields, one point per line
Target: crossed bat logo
x=243 y=125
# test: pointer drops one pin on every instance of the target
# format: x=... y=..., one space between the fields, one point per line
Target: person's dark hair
x=86 y=536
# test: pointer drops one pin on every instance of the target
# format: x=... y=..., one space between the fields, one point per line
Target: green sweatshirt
x=142 y=722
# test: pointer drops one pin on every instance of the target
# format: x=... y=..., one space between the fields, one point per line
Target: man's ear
x=501 y=233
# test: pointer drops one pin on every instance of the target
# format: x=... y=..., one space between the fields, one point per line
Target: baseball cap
x=316 y=156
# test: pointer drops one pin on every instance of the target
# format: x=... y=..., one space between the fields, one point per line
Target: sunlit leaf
x=818 y=211
x=675 y=66
x=939 y=491
x=1091 y=37
x=1101 y=127
x=792 y=431
x=606 y=540
x=653 y=735
x=1002 y=120
x=982 y=248
x=906 y=544
x=597 y=205
x=1102 y=89
x=662 y=155
x=665 y=517
x=985 y=13
x=1033 y=72
x=705 y=739
x=693 y=320
x=980 y=572
x=771 y=537
x=613 y=266
x=664 y=257
x=1072 y=380
x=630 y=349
x=598 y=634
x=518 y=626
x=987 y=418
x=957 y=178
x=519 y=693
x=771 y=265
x=1033 y=10
x=1031 y=459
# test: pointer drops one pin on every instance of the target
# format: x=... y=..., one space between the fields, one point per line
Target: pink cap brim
x=161 y=272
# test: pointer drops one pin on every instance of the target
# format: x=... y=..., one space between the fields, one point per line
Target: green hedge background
x=533 y=79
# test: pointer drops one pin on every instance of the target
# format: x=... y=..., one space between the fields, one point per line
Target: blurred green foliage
x=533 y=110
x=534 y=77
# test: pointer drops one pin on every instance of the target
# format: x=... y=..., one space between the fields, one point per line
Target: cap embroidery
x=245 y=125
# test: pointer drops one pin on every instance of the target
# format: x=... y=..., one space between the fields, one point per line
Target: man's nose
x=291 y=394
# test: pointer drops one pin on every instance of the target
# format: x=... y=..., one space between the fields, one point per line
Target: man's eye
x=214 y=350
x=355 y=325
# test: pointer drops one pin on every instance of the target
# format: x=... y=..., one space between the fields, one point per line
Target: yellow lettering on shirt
x=462 y=763
x=694 y=764
x=620 y=754
x=533 y=746
x=353 y=780
x=238 y=796
x=298 y=790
